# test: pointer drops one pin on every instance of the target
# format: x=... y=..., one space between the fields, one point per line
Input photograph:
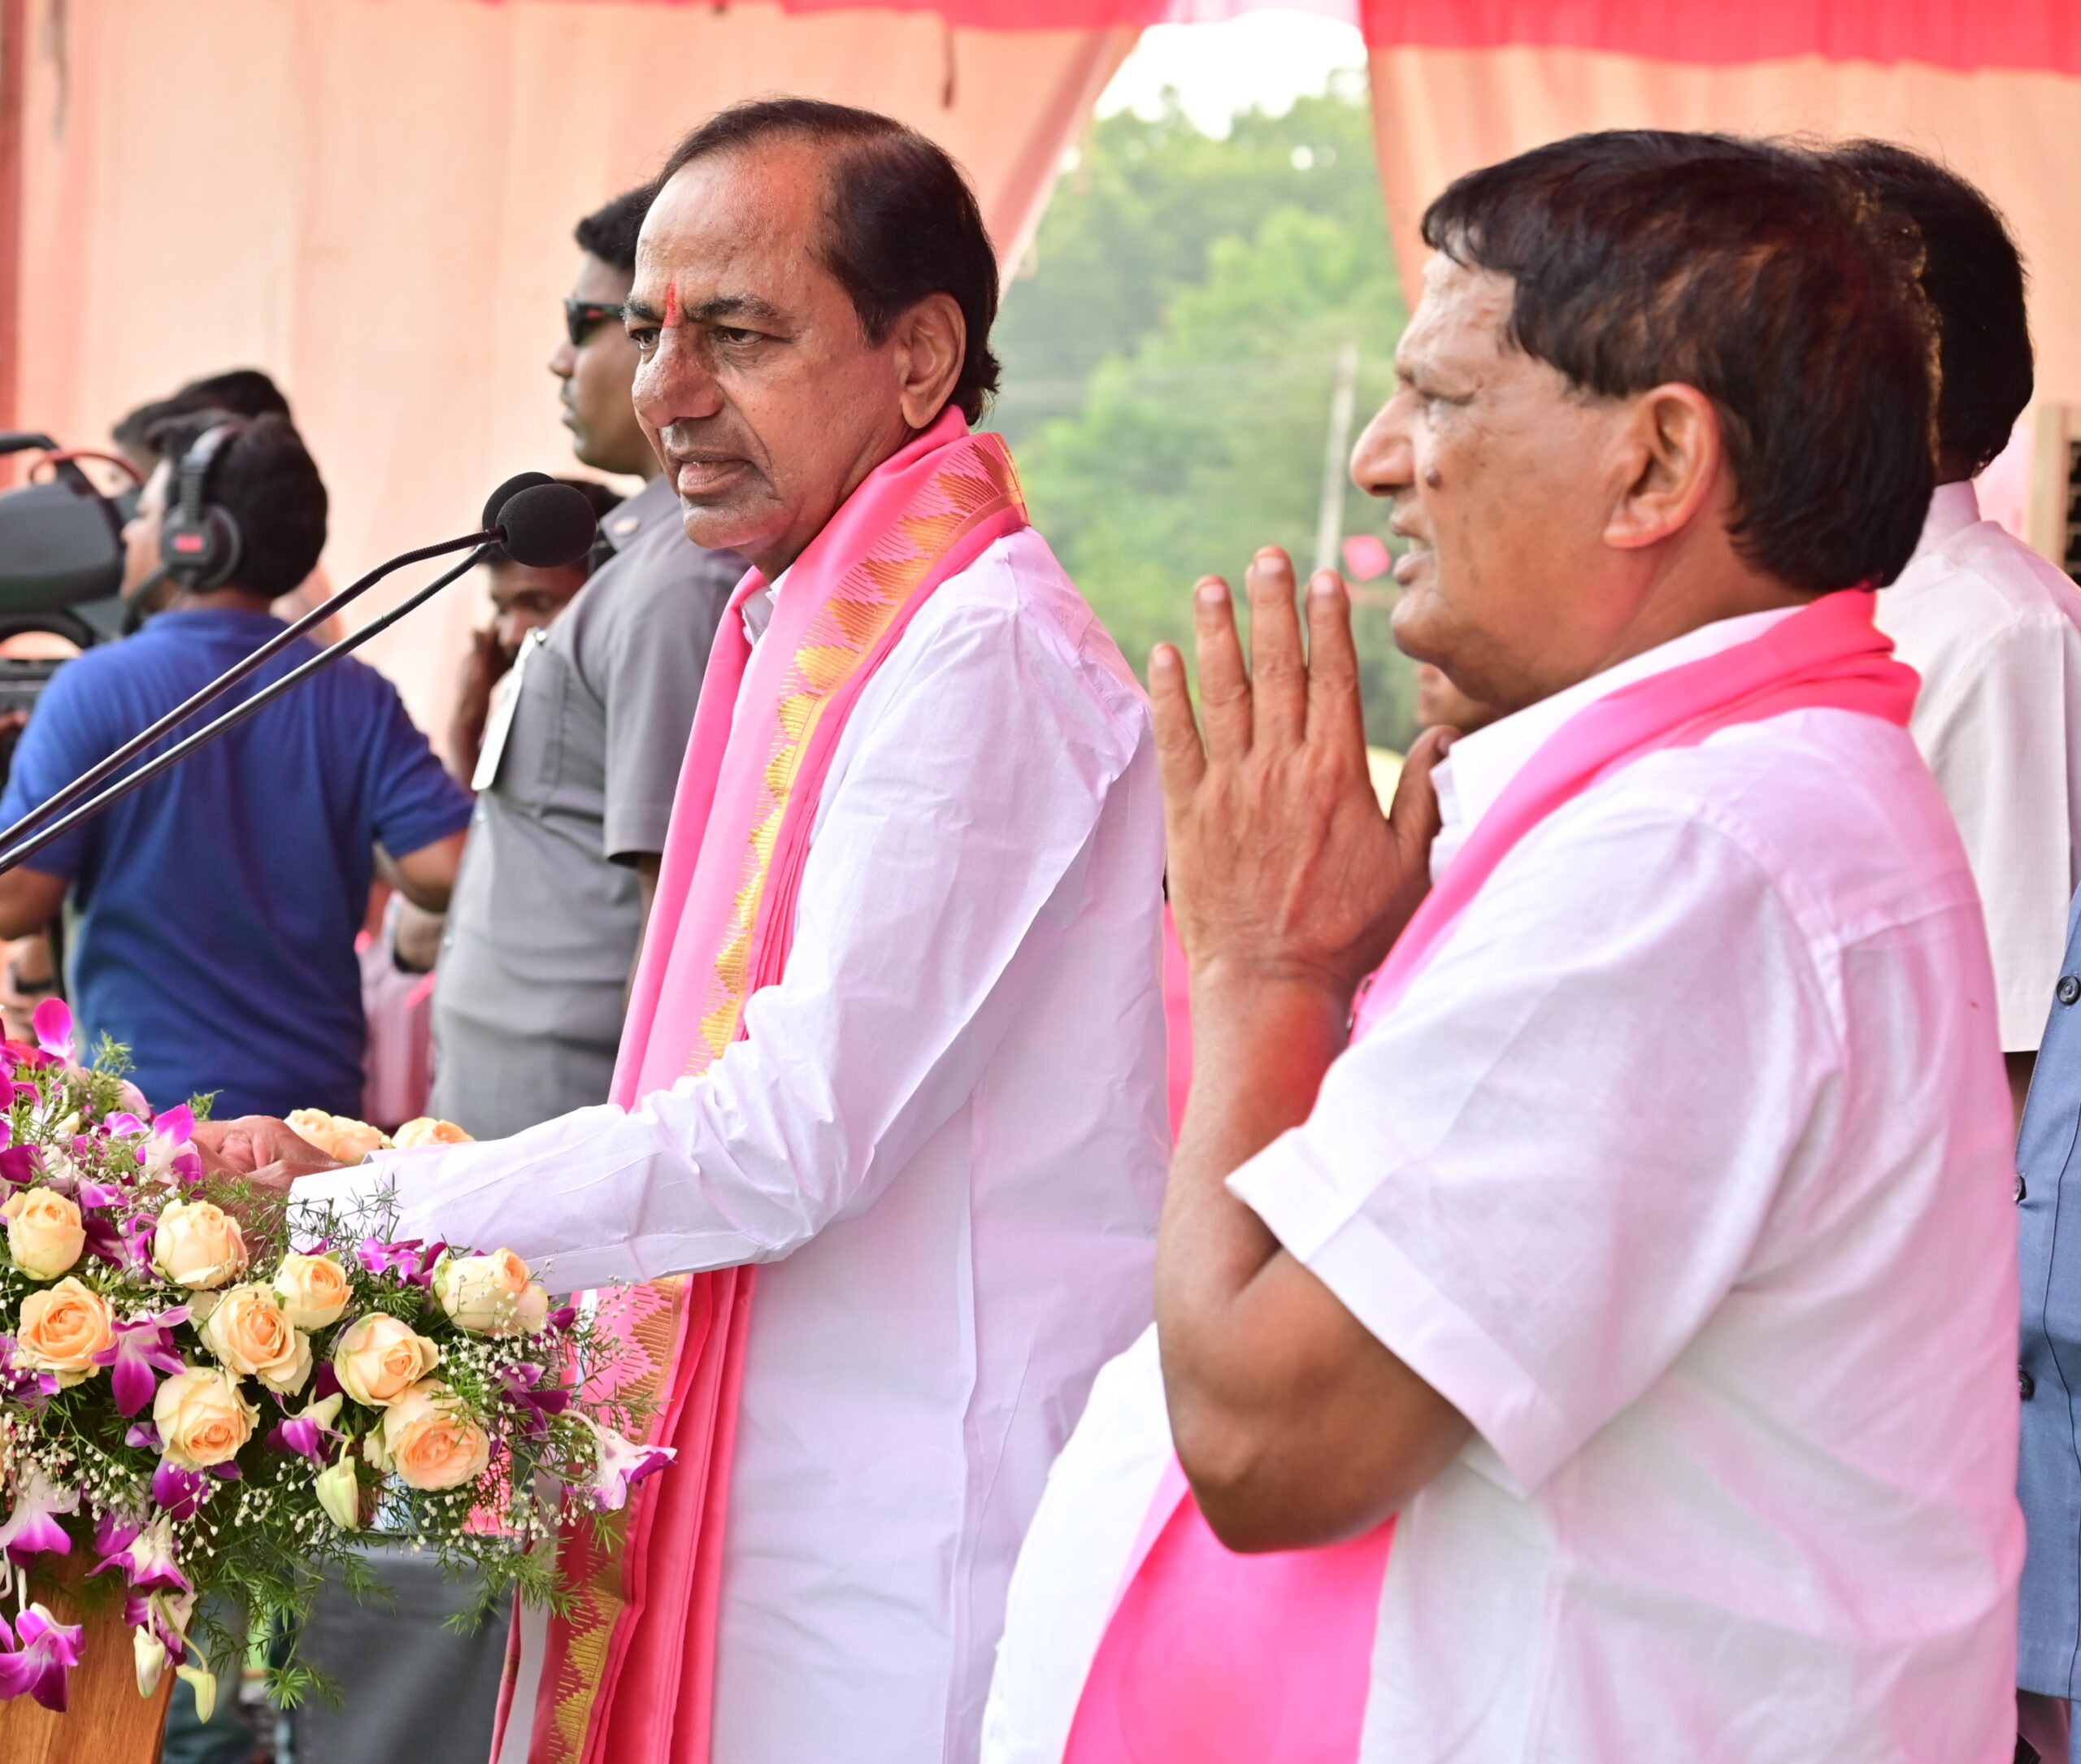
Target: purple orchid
x=180 y=1491
x=170 y=1151
x=38 y=1652
x=53 y=1022
x=23 y=1385
x=124 y=1243
x=33 y=1527
x=17 y=1162
x=142 y=1345
x=148 y=1560
x=114 y=1529
x=412 y=1257
x=561 y=1319
x=538 y=1405
x=308 y=1431
x=143 y=1435
x=622 y=1464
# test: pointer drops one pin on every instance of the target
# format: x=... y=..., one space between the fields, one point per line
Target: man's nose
x=674 y=383
x=563 y=360
x=1384 y=460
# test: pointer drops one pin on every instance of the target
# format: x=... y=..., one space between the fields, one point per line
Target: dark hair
x=267 y=481
x=609 y=232
x=900 y=220
x=1974 y=278
x=603 y=501
x=1767 y=278
x=238 y=392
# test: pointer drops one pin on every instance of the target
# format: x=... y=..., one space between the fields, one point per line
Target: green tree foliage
x=1171 y=357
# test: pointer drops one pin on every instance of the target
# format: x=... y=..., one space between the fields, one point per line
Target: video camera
x=61 y=549
x=61 y=569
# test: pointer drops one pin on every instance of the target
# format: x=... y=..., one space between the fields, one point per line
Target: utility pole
x=1336 y=450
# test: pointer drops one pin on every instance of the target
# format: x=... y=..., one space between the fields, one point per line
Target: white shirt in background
x=1682 y=1172
x=1995 y=631
x=944 y=1137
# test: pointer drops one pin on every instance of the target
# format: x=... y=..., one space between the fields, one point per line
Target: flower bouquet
x=204 y=1394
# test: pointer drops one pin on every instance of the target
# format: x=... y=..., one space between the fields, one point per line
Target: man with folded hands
x=1591 y=1337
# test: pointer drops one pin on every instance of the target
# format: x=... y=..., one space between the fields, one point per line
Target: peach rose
x=338 y=1136
x=62 y=1329
x=379 y=1359
x=313 y=1290
x=250 y=1335
x=201 y=1418
x=426 y=1131
x=491 y=1295
x=44 y=1236
x=198 y=1244
x=431 y=1439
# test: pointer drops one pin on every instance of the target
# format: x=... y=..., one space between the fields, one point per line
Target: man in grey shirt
x=580 y=759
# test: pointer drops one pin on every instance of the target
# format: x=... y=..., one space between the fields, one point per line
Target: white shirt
x=1682 y=1172
x=1995 y=631
x=944 y=1135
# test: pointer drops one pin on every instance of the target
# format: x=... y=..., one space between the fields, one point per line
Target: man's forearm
x=1261 y=1045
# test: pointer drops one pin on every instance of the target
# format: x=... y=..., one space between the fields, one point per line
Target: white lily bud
x=205 y=1684
x=339 y=1494
x=151 y=1660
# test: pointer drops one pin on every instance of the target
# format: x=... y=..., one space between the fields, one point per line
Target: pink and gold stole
x=1210 y=1657
x=629 y=1673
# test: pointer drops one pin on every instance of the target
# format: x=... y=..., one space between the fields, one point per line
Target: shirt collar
x=757 y=609
x=1475 y=773
x=641 y=512
x=1953 y=508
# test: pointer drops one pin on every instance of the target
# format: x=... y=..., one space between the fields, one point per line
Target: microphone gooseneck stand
x=537 y=522
x=26 y=848
x=137 y=743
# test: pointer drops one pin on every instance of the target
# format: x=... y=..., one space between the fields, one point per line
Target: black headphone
x=200 y=544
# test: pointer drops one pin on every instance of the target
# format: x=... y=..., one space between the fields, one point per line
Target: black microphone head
x=495 y=503
x=548 y=524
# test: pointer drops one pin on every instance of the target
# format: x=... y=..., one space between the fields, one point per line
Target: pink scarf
x=629 y=1674
x=1215 y=1658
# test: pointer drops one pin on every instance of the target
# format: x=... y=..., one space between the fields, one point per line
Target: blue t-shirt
x=218 y=907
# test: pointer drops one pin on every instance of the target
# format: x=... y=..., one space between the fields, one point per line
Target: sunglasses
x=581 y=318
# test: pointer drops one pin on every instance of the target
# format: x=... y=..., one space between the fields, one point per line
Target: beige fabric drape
x=373 y=200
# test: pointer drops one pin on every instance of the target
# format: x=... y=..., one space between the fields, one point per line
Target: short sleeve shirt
x=1656 y=1173
x=1995 y=631
x=543 y=929
x=218 y=907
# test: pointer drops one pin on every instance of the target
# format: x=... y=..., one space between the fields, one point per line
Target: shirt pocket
x=530 y=770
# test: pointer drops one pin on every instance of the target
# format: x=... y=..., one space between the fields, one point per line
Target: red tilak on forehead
x=671 y=303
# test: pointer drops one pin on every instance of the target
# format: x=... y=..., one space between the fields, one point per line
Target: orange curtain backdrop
x=373 y=200
x=1440 y=112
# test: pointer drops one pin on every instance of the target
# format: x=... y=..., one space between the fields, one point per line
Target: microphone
x=494 y=507
x=544 y=525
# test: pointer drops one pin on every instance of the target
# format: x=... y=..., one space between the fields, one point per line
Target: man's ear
x=1671 y=448
x=932 y=341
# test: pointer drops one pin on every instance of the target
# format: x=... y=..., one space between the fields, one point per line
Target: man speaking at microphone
x=891 y=1099
x=218 y=906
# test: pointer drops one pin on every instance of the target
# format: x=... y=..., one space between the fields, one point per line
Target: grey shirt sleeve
x=655 y=654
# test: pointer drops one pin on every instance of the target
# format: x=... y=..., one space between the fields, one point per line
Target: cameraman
x=218 y=907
